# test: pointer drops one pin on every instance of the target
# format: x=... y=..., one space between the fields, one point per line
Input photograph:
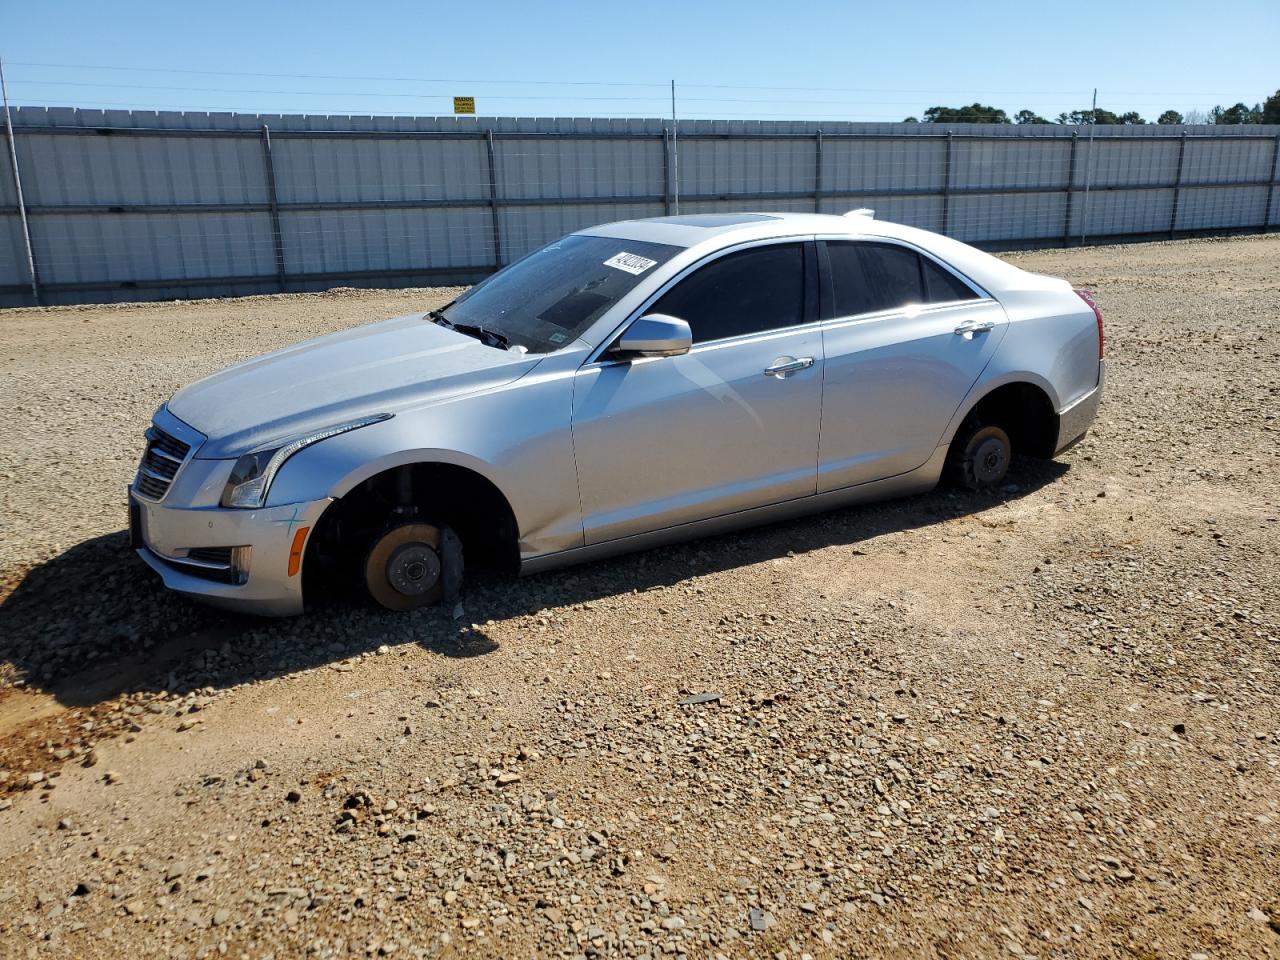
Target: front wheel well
x=440 y=493
x=1025 y=412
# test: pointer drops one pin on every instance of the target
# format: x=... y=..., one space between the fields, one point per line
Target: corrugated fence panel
x=137 y=204
x=124 y=248
x=747 y=166
x=995 y=164
x=350 y=170
x=1103 y=212
x=542 y=168
x=13 y=254
x=1209 y=161
x=1202 y=208
x=883 y=164
x=120 y=169
x=346 y=241
x=1007 y=216
x=1115 y=161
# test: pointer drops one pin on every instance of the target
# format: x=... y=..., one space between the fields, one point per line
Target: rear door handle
x=785 y=365
x=970 y=327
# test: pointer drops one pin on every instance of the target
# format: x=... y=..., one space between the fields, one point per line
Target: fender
x=988 y=385
x=527 y=455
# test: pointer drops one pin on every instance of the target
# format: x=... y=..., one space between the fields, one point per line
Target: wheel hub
x=990 y=460
x=413 y=569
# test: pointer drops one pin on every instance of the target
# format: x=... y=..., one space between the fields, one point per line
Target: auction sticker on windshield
x=630 y=262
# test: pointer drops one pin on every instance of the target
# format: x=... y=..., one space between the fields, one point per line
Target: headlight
x=252 y=475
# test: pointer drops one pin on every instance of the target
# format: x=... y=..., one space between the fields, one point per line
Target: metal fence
x=125 y=205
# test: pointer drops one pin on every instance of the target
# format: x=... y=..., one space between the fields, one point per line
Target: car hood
x=383 y=367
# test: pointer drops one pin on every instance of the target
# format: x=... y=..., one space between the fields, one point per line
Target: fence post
x=17 y=185
x=666 y=171
x=495 y=223
x=817 y=171
x=1071 y=189
x=1271 y=186
x=1177 y=184
x=946 y=186
x=277 y=237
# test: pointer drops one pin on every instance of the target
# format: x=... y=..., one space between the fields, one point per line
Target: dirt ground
x=1040 y=724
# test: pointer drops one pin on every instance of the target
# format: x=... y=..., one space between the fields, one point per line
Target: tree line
x=1268 y=111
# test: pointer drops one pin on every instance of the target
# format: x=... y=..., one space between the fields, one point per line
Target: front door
x=733 y=424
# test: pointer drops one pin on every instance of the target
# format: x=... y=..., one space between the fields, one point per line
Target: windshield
x=547 y=299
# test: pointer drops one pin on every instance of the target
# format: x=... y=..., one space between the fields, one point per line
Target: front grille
x=160 y=463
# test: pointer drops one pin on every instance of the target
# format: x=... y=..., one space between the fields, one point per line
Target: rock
x=220 y=916
x=759 y=920
x=111 y=776
x=673 y=923
x=293 y=796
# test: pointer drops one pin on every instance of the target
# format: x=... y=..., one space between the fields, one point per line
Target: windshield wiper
x=437 y=316
x=490 y=337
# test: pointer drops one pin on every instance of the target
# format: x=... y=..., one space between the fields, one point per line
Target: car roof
x=714 y=231
x=696 y=229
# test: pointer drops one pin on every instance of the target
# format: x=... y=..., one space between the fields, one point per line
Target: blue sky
x=748 y=59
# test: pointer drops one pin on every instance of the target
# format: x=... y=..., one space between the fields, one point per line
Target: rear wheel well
x=439 y=493
x=1025 y=412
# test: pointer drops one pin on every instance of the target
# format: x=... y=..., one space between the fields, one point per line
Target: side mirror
x=655 y=335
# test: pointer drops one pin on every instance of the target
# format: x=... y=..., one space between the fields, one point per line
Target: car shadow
x=94 y=622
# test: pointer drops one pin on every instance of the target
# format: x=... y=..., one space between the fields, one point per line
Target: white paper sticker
x=630 y=263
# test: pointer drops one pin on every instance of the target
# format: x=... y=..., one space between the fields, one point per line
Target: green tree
x=1130 y=119
x=974 y=113
x=1237 y=114
x=1099 y=116
x=1271 y=108
x=910 y=119
x=1028 y=116
x=1169 y=118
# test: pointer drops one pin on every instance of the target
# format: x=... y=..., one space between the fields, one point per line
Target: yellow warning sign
x=464 y=104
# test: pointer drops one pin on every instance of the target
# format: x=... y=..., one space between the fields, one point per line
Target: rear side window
x=869 y=277
x=747 y=292
x=942 y=286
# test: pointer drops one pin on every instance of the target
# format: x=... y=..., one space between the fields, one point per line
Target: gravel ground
x=1044 y=724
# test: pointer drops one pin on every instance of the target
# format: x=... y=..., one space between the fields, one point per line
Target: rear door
x=905 y=338
x=661 y=441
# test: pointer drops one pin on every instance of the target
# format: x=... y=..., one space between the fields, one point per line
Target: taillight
x=1087 y=297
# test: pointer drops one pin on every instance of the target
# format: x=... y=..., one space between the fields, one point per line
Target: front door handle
x=970 y=327
x=785 y=365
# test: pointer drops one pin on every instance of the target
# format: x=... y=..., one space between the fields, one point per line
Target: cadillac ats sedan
x=630 y=384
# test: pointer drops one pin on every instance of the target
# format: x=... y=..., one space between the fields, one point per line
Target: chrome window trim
x=597 y=354
x=854 y=319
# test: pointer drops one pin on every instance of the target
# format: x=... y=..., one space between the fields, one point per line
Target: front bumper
x=163 y=535
x=1074 y=421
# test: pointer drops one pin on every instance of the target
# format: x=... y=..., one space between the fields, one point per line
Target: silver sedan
x=627 y=385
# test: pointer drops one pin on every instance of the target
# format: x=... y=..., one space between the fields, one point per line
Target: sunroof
x=714 y=219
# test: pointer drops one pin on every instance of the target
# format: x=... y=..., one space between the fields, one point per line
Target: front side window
x=870 y=277
x=740 y=293
x=551 y=297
